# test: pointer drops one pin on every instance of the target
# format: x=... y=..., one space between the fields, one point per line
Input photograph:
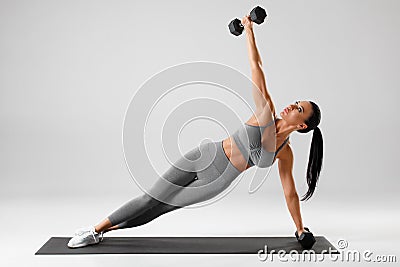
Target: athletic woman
x=246 y=147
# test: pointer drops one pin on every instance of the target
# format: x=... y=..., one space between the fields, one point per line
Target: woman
x=233 y=155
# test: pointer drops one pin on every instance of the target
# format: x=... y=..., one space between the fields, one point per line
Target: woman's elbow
x=291 y=194
x=255 y=65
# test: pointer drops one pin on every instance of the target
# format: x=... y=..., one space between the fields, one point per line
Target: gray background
x=68 y=70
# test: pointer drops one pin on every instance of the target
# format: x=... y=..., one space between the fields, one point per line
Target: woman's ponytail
x=316 y=151
x=314 y=163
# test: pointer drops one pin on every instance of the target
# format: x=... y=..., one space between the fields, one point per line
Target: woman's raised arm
x=257 y=74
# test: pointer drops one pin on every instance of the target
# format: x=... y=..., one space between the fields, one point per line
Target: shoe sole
x=80 y=246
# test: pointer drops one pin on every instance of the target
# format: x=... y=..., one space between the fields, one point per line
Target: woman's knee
x=149 y=200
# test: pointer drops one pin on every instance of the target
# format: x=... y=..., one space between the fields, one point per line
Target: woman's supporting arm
x=285 y=166
x=293 y=204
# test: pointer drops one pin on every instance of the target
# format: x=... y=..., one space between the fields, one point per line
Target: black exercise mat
x=183 y=245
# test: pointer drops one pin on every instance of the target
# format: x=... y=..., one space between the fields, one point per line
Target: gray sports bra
x=248 y=140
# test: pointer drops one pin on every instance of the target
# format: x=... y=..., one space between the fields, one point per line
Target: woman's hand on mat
x=301 y=231
x=247 y=23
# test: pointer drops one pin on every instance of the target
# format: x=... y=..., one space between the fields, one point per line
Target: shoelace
x=93 y=234
x=101 y=236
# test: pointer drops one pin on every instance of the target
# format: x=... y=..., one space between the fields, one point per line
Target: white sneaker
x=82 y=230
x=85 y=237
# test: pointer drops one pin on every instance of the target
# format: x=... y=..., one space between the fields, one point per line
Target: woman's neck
x=283 y=129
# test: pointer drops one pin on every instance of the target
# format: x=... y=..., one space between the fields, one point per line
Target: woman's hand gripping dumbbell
x=257 y=15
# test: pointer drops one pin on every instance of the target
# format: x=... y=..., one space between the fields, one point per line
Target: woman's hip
x=219 y=166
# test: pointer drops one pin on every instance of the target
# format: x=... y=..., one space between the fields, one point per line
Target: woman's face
x=297 y=113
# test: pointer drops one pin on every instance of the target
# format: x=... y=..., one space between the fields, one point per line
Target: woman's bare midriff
x=234 y=155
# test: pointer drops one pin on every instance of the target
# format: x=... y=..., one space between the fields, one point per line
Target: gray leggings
x=207 y=173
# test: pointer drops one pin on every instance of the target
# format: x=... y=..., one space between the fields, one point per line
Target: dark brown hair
x=316 y=150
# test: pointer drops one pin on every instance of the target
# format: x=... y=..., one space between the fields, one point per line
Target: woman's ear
x=302 y=126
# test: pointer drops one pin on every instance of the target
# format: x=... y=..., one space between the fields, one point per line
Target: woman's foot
x=84 y=237
x=82 y=230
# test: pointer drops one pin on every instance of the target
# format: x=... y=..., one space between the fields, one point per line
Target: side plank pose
x=229 y=162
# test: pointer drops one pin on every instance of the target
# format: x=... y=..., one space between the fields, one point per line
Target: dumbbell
x=306 y=239
x=257 y=15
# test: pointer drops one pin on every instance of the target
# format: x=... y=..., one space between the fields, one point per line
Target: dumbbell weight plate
x=258 y=15
x=236 y=27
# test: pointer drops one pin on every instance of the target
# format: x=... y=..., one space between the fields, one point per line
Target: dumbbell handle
x=240 y=23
